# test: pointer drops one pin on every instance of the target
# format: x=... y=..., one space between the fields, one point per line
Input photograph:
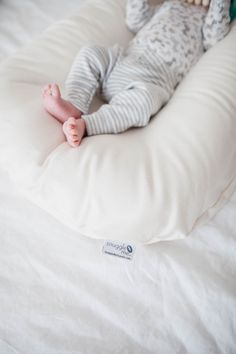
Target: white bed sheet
x=60 y=294
x=23 y=20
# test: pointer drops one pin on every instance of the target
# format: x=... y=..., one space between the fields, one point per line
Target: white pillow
x=148 y=184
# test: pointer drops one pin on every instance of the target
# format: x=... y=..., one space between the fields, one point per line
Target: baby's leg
x=91 y=67
x=132 y=107
x=87 y=72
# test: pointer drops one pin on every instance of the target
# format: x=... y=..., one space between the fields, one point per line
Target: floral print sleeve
x=216 y=24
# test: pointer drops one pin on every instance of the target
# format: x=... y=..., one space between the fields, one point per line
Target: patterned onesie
x=137 y=81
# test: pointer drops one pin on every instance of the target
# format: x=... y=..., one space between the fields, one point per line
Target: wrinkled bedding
x=60 y=294
x=22 y=21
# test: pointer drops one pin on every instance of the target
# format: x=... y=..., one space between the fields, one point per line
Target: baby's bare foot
x=56 y=105
x=74 y=130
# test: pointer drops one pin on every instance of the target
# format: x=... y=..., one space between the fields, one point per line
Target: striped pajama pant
x=134 y=85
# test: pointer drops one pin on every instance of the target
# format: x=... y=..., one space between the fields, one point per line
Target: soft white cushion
x=149 y=184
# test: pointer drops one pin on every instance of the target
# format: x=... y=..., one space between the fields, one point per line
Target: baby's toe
x=74 y=143
x=46 y=90
x=55 y=90
x=68 y=130
x=71 y=121
x=74 y=137
x=73 y=130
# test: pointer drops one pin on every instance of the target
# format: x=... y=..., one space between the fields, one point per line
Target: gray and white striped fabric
x=136 y=87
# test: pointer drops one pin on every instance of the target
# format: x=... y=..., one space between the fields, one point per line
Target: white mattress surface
x=60 y=294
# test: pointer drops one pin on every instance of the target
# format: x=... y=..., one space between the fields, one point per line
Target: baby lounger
x=146 y=185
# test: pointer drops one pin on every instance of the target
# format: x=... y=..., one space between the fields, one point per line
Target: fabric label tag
x=119 y=249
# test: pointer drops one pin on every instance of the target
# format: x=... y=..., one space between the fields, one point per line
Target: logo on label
x=119 y=249
x=129 y=249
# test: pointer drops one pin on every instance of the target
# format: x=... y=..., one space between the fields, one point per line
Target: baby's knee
x=91 y=51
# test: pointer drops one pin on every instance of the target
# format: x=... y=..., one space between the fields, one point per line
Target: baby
x=137 y=81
